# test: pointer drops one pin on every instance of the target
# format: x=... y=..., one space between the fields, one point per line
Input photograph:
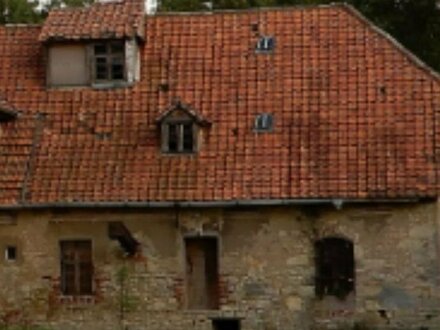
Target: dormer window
x=95 y=63
x=181 y=137
x=265 y=44
x=180 y=129
x=109 y=58
x=83 y=49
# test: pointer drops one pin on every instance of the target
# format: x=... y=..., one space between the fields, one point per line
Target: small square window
x=264 y=122
x=265 y=44
x=11 y=253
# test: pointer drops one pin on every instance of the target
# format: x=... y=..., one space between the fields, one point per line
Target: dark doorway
x=202 y=272
x=230 y=324
x=335 y=273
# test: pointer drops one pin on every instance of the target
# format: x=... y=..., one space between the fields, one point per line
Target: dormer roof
x=110 y=20
x=178 y=106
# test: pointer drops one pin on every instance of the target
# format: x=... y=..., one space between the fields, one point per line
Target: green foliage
x=67 y=3
x=127 y=303
x=182 y=5
x=62 y=4
x=18 y=11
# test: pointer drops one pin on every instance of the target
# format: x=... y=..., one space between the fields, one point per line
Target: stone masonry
x=266 y=268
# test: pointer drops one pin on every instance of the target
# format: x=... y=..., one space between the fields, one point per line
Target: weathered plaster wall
x=266 y=268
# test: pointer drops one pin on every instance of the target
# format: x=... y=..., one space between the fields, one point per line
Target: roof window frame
x=264 y=123
x=108 y=56
x=180 y=136
x=265 y=44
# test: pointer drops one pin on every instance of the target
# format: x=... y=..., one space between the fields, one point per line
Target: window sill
x=178 y=154
x=96 y=86
x=77 y=300
x=111 y=84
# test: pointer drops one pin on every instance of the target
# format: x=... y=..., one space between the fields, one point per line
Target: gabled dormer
x=96 y=46
x=181 y=129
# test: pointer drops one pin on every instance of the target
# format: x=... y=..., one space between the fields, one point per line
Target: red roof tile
x=117 y=19
x=355 y=116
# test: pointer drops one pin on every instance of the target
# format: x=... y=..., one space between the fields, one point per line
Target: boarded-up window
x=334 y=267
x=76 y=267
x=68 y=65
x=202 y=273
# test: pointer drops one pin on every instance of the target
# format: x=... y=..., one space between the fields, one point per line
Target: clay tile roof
x=110 y=20
x=355 y=116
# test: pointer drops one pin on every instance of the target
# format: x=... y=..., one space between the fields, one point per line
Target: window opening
x=226 y=324
x=11 y=253
x=334 y=267
x=180 y=137
x=266 y=44
x=118 y=231
x=109 y=61
x=264 y=122
x=76 y=267
x=202 y=273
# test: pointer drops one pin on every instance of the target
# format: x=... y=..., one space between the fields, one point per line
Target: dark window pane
x=85 y=278
x=68 y=278
x=188 y=137
x=117 y=72
x=117 y=47
x=173 y=144
x=101 y=60
x=100 y=49
x=101 y=68
x=101 y=72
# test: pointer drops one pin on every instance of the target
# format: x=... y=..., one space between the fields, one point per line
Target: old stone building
x=267 y=169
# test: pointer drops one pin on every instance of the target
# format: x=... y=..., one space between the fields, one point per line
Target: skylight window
x=264 y=122
x=265 y=44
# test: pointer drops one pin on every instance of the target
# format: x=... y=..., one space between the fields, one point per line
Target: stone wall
x=266 y=268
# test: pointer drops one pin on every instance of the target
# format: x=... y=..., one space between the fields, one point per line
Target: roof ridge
x=397 y=44
x=247 y=10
